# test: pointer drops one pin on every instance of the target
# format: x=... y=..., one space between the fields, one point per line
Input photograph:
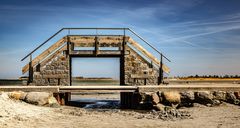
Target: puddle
x=90 y=103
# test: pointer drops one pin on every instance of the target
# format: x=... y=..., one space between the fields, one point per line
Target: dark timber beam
x=160 y=77
x=30 y=72
x=96 y=46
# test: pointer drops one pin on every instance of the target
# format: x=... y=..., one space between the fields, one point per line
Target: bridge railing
x=98 y=31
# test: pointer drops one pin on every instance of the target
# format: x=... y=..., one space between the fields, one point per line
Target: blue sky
x=199 y=36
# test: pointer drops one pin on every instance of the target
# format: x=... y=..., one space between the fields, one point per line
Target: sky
x=198 y=36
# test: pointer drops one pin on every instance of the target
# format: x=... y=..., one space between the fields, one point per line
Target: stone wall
x=54 y=71
x=138 y=71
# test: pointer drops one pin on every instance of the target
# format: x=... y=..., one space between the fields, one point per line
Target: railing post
x=122 y=61
x=30 y=72
x=96 y=46
x=160 y=78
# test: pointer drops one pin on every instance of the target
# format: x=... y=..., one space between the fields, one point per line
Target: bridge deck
x=114 y=88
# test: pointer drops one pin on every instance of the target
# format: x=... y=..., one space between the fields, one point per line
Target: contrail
x=202 y=34
x=209 y=23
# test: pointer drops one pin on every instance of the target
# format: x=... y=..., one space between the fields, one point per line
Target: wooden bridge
x=140 y=70
x=53 y=67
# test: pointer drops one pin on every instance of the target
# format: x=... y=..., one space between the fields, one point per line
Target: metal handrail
x=148 y=44
x=42 y=44
x=95 y=29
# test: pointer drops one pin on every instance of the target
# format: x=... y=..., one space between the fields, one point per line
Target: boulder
x=187 y=98
x=38 y=98
x=146 y=97
x=216 y=102
x=52 y=102
x=159 y=107
x=237 y=94
x=145 y=101
x=219 y=95
x=155 y=98
x=17 y=95
x=203 y=97
x=172 y=97
x=231 y=98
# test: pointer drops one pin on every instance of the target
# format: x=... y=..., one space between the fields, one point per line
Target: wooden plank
x=92 y=52
x=30 y=88
x=104 y=41
x=44 y=54
x=53 y=55
x=203 y=87
x=149 y=55
x=115 y=88
x=98 y=87
x=94 y=91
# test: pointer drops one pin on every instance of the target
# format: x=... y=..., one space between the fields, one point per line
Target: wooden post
x=70 y=70
x=122 y=63
x=70 y=47
x=30 y=72
x=67 y=98
x=96 y=46
x=123 y=95
x=160 y=78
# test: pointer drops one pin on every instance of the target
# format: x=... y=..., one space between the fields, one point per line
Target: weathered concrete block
x=219 y=95
x=38 y=98
x=172 y=98
x=187 y=98
x=204 y=97
x=237 y=94
x=231 y=98
x=155 y=98
x=17 y=95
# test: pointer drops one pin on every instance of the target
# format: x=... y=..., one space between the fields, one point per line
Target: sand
x=17 y=114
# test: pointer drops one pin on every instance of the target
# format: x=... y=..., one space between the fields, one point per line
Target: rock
x=38 y=98
x=155 y=98
x=52 y=102
x=231 y=98
x=198 y=105
x=216 y=103
x=172 y=97
x=219 y=95
x=204 y=97
x=159 y=107
x=145 y=101
x=17 y=95
x=146 y=97
x=237 y=94
x=187 y=98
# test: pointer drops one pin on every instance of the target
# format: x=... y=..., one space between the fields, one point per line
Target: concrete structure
x=53 y=67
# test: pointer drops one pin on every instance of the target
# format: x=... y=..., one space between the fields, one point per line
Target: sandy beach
x=16 y=114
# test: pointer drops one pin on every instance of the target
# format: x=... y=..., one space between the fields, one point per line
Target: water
x=95 y=82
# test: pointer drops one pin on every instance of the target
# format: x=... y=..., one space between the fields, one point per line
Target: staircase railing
x=124 y=32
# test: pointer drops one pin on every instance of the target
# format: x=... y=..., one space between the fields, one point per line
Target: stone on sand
x=204 y=97
x=172 y=97
x=38 y=98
